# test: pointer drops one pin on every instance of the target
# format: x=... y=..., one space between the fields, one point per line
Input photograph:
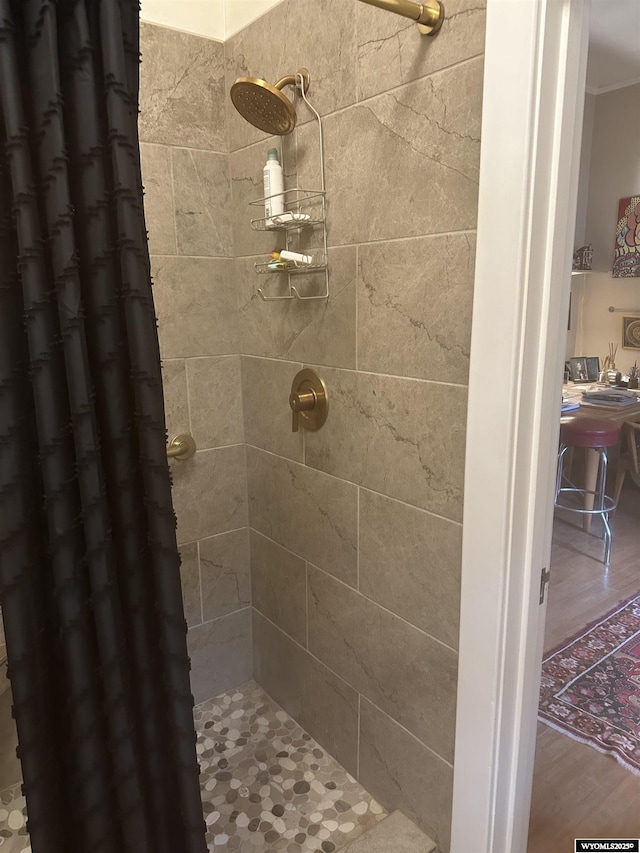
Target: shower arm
x=292 y=79
x=428 y=15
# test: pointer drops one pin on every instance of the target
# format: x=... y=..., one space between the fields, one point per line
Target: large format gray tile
x=415 y=300
x=266 y=385
x=279 y=586
x=176 y=403
x=182 y=89
x=392 y=51
x=403 y=774
x=215 y=397
x=220 y=653
x=394 y=833
x=406 y=163
x=190 y=576
x=202 y=193
x=310 y=513
x=320 y=701
x=158 y=198
x=225 y=573
x=401 y=437
x=287 y=38
x=407 y=673
x=410 y=563
x=320 y=332
x=209 y=493
x=195 y=300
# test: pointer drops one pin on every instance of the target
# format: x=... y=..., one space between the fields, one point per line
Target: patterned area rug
x=590 y=688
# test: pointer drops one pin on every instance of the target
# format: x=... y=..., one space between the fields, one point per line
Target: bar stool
x=596 y=434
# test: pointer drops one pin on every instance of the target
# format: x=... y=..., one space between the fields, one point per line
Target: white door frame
x=534 y=83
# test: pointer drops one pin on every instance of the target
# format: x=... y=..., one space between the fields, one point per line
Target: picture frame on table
x=584 y=368
x=593 y=368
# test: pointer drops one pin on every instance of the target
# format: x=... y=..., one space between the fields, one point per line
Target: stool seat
x=589 y=432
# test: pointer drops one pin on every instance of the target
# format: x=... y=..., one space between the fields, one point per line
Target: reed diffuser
x=611 y=375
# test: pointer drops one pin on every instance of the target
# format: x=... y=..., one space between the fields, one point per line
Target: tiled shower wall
x=356 y=529
x=185 y=163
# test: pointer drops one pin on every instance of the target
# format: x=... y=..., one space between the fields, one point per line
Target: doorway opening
x=578 y=791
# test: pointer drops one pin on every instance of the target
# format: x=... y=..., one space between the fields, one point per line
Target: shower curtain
x=89 y=568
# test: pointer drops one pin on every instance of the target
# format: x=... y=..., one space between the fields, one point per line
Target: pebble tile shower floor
x=266 y=785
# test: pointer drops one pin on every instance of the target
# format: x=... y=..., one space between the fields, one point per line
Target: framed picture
x=631 y=332
x=593 y=368
x=626 y=259
x=584 y=368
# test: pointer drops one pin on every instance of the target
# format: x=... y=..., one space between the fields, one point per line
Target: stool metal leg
x=600 y=503
x=561 y=455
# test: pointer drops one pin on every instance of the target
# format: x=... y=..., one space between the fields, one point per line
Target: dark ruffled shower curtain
x=89 y=569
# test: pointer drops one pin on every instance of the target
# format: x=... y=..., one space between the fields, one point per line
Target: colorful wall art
x=626 y=261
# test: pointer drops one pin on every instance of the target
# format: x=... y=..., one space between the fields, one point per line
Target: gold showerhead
x=264 y=105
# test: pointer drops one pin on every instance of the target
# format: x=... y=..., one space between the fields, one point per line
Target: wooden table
x=628 y=414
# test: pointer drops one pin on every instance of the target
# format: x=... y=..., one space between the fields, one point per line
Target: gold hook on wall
x=428 y=15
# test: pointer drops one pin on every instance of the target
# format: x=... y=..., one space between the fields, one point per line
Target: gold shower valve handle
x=301 y=401
x=309 y=401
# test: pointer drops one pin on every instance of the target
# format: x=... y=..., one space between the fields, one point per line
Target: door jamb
x=534 y=83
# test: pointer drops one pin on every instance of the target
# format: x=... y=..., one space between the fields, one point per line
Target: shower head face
x=263 y=105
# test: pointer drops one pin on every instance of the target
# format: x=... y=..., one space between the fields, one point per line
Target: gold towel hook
x=181 y=447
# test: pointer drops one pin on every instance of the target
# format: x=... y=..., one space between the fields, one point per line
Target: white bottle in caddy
x=273 y=187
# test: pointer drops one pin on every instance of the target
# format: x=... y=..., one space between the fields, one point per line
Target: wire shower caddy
x=304 y=209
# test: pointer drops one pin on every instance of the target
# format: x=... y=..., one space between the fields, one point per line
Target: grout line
x=195 y=257
x=306 y=597
x=365 y=101
x=357 y=300
x=351 y=370
x=356 y=485
x=221 y=447
x=344 y=681
x=310 y=565
x=225 y=615
x=173 y=203
x=200 y=583
x=212 y=536
x=364 y=243
x=385 y=609
x=410 y=733
x=174 y=147
x=242 y=384
x=358 y=66
x=358 y=739
x=203 y=357
x=304 y=446
x=186 y=382
x=358 y=540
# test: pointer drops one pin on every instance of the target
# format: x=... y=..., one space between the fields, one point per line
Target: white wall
x=585 y=169
x=216 y=19
x=241 y=12
x=202 y=17
x=614 y=174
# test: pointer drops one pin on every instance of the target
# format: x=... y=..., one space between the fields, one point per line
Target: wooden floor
x=578 y=792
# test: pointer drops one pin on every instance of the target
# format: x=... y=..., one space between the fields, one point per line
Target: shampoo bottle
x=273 y=186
